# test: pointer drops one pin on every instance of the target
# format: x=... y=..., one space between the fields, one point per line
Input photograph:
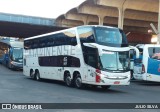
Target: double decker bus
x=11 y=53
x=95 y=55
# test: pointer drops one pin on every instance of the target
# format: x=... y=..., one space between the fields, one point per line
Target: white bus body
x=148 y=66
x=78 y=56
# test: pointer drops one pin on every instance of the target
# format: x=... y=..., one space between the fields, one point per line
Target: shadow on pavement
x=85 y=88
x=147 y=83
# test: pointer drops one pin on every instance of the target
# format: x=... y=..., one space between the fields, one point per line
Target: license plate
x=116 y=82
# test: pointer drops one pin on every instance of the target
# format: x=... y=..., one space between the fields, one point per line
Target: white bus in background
x=147 y=67
x=94 y=55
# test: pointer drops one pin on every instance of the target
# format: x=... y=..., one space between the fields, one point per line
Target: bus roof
x=13 y=43
x=68 y=29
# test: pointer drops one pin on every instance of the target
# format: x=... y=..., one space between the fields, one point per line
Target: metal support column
x=101 y=20
x=121 y=18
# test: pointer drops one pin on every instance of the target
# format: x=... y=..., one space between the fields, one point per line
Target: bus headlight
x=14 y=63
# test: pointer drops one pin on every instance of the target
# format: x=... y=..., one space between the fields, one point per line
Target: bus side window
x=70 y=38
x=154 y=52
x=86 y=35
x=92 y=61
x=90 y=57
x=49 y=41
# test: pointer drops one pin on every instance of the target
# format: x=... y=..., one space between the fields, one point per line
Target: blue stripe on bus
x=153 y=66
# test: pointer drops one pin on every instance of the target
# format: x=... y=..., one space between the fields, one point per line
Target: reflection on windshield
x=17 y=53
x=116 y=61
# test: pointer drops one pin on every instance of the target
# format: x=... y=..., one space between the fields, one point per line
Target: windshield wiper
x=109 y=68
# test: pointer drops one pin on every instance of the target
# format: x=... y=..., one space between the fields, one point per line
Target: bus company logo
x=6 y=106
x=159 y=68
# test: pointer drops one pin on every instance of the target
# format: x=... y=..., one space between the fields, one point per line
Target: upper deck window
x=86 y=35
x=110 y=37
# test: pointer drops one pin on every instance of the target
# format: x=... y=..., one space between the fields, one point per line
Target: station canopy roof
x=138 y=14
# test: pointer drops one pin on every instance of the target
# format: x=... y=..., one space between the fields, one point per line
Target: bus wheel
x=68 y=80
x=78 y=82
x=32 y=75
x=105 y=87
x=8 y=65
x=37 y=76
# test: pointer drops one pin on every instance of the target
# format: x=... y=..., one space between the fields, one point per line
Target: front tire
x=9 y=65
x=105 y=87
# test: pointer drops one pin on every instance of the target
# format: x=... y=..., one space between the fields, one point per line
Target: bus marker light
x=98 y=77
x=143 y=68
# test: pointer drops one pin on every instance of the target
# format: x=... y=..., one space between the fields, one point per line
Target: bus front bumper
x=139 y=76
x=112 y=80
x=16 y=65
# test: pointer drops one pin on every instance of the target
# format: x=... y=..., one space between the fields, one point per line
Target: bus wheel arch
x=67 y=78
x=77 y=80
x=37 y=75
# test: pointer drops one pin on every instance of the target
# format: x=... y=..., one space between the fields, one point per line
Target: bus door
x=91 y=59
x=91 y=69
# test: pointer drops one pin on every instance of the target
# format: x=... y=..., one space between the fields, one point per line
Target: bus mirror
x=136 y=50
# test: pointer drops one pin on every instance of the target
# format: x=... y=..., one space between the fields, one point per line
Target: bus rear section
x=148 y=66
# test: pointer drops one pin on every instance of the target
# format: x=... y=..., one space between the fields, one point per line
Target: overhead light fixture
x=154 y=39
x=150 y=31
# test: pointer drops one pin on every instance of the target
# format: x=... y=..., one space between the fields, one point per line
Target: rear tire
x=78 y=82
x=32 y=75
x=37 y=76
x=68 y=80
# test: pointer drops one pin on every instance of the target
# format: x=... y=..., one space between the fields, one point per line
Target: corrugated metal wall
x=27 y=19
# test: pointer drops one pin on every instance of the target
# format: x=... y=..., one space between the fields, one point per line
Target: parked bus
x=11 y=53
x=147 y=67
x=95 y=55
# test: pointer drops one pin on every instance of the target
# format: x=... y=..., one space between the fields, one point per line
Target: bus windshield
x=115 y=61
x=110 y=37
x=17 y=53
